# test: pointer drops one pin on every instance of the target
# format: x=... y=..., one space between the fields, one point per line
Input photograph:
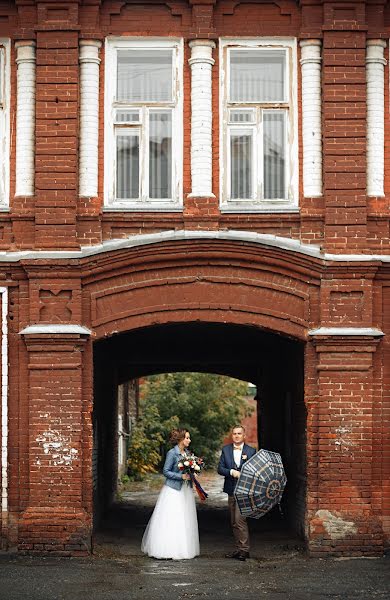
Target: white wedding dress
x=172 y=531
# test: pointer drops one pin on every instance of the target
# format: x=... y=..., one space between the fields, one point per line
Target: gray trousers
x=239 y=526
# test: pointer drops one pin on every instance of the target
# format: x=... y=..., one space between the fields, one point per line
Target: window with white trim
x=4 y=121
x=143 y=125
x=259 y=124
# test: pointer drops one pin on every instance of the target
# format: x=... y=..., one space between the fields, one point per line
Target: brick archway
x=272 y=362
x=179 y=286
x=206 y=280
x=274 y=289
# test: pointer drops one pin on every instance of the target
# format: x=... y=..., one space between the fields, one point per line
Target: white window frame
x=257 y=203
x=5 y=97
x=112 y=45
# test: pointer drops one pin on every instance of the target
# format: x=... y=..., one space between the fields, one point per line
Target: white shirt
x=237 y=452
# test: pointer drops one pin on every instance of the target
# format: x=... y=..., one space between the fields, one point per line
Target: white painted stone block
x=201 y=63
x=89 y=117
x=311 y=117
x=375 y=77
x=25 y=118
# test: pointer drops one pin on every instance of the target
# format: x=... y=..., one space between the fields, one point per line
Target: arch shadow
x=273 y=362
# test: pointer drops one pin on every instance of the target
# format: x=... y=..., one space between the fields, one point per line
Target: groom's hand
x=235 y=473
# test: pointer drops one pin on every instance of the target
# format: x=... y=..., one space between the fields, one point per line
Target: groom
x=233 y=456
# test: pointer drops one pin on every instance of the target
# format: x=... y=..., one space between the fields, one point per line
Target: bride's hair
x=177 y=435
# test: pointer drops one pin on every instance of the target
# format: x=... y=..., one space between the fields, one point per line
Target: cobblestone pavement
x=277 y=570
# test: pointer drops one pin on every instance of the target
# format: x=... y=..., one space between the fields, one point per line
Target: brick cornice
x=342 y=333
x=360 y=261
x=346 y=16
x=47 y=343
x=346 y=352
x=56 y=330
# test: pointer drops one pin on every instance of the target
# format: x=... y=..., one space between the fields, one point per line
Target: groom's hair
x=238 y=427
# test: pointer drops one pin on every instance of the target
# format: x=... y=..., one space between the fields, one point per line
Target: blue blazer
x=226 y=462
x=171 y=470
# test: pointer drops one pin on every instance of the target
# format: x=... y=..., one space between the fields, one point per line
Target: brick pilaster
x=340 y=495
x=56 y=170
x=55 y=518
x=344 y=126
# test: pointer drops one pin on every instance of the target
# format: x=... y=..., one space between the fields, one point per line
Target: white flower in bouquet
x=186 y=463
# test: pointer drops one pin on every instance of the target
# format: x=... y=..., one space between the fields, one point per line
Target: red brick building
x=203 y=185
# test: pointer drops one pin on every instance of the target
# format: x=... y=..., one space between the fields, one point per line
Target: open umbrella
x=261 y=484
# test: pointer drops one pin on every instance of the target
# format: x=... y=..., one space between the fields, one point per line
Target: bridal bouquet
x=192 y=465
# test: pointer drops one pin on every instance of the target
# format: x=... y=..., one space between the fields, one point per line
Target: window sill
x=263 y=208
x=143 y=208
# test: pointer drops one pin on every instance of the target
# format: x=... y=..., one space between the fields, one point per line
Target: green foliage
x=147 y=438
x=207 y=405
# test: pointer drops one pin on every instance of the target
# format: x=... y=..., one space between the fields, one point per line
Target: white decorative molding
x=5 y=100
x=146 y=239
x=4 y=409
x=201 y=63
x=311 y=117
x=375 y=77
x=55 y=329
x=347 y=331
x=25 y=118
x=89 y=117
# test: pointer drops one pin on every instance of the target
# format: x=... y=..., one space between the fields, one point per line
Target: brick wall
x=56 y=217
x=341 y=465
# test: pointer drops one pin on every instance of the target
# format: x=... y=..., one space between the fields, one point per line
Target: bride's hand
x=186 y=477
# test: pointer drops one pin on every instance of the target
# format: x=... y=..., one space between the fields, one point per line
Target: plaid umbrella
x=261 y=484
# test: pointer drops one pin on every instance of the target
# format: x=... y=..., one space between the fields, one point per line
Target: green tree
x=147 y=440
x=208 y=405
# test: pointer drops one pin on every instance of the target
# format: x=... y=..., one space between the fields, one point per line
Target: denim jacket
x=171 y=470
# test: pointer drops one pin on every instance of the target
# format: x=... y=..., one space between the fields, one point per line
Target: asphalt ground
x=118 y=578
x=279 y=568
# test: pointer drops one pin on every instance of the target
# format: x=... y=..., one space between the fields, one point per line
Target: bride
x=172 y=531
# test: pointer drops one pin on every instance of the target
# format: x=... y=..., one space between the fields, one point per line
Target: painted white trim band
x=347 y=331
x=135 y=241
x=375 y=77
x=5 y=121
x=55 y=329
x=311 y=117
x=89 y=117
x=25 y=118
x=168 y=236
x=201 y=63
x=4 y=409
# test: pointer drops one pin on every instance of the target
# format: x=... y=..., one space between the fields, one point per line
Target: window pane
x=242 y=116
x=274 y=155
x=127 y=116
x=160 y=154
x=257 y=75
x=127 y=165
x=144 y=75
x=241 y=160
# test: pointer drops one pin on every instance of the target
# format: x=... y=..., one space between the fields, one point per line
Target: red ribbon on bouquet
x=199 y=490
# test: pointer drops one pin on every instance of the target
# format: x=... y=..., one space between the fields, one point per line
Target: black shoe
x=242 y=555
x=232 y=554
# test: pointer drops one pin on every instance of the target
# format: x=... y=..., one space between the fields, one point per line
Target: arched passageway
x=274 y=363
x=247 y=306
